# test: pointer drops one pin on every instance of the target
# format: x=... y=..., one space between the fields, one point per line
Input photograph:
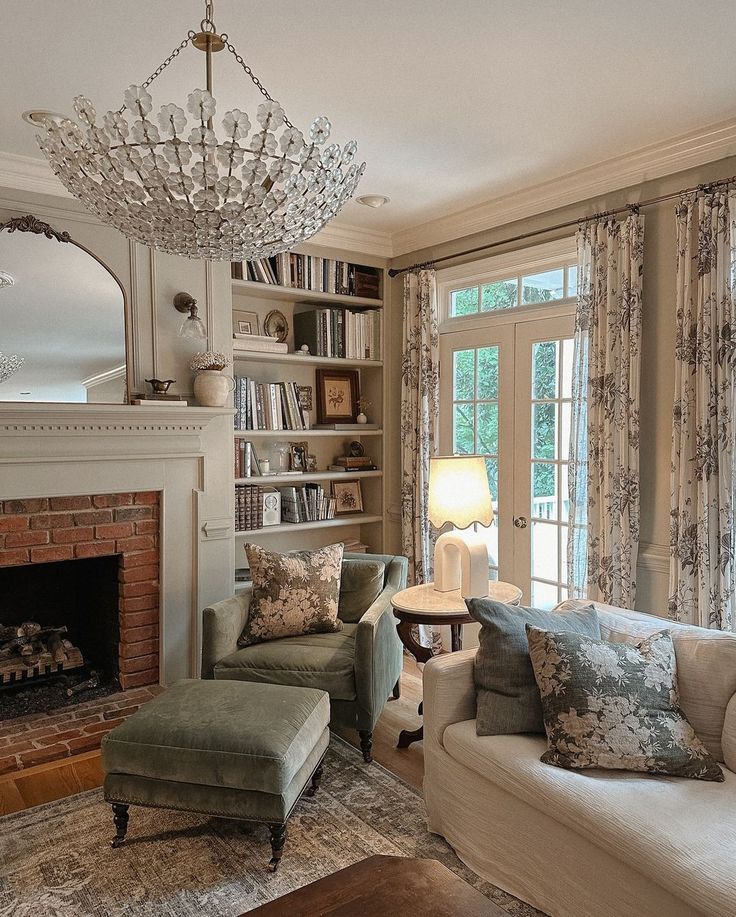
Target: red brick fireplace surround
x=67 y=528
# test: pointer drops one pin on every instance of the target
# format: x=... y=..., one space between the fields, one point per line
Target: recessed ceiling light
x=373 y=200
x=37 y=117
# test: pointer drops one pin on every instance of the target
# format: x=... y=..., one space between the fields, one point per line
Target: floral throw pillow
x=615 y=705
x=293 y=594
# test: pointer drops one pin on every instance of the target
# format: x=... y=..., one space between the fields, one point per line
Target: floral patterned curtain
x=701 y=518
x=419 y=417
x=603 y=537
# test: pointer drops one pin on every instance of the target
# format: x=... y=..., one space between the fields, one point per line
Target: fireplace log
x=55 y=646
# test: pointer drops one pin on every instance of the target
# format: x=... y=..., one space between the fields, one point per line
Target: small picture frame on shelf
x=338 y=393
x=305 y=397
x=348 y=497
x=298 y=456
x=245 y=322
x=311 y=462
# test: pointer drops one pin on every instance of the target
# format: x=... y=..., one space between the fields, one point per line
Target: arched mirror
x=62 y=319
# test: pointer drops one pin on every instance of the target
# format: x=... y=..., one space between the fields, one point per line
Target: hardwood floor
x=46 y=782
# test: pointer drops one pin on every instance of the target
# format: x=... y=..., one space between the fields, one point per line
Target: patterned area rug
x=56 y=859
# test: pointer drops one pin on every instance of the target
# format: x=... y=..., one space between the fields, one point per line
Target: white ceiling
x=452 y=103
x=64 y=315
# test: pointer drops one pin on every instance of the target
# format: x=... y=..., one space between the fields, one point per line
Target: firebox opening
x=78 y=595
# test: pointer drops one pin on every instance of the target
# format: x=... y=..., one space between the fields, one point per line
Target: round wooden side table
x=425 y=605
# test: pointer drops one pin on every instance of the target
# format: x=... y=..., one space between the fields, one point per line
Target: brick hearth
x=43 y=737
x=67 y=528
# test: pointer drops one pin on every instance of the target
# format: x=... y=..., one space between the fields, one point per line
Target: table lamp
x=459 y=494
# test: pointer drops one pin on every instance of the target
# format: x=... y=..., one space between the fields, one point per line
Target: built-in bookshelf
x=346 y=318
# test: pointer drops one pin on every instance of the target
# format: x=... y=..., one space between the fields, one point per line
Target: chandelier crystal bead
x=9 y=364
x=175 y=179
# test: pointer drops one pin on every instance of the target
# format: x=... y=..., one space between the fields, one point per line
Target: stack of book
x=308 y=272
x=333 y=331
x=306 y=503
x=267 y=405
x=248 y=507
x=353 y=546
x=353 y=463
x=258 y=343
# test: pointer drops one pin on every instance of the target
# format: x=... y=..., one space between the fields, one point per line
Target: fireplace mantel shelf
x=44 y=417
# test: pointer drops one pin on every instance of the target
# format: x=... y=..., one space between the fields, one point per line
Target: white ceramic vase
x=361 y=418
x=211 y=388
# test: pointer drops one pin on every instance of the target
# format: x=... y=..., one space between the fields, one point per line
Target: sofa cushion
x=295 y=593
x=729 y=735
x=360 y=585
x=229 y=734
x=706 y=665
x=508 y=696
x=615 y=705
x=681 y=833
x=324 y=661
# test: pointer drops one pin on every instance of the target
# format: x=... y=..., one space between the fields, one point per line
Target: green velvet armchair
x=359 y=666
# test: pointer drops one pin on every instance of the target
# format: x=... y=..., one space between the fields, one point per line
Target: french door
x=505 y=393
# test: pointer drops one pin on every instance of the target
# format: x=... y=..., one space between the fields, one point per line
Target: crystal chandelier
x=169 y=181
x=9 y=365
x=12 y=363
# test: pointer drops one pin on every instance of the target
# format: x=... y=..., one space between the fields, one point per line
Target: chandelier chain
x=254 y=79
x=208 y=23
x=164 y=64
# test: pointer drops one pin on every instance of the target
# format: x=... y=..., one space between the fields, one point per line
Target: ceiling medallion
x=169 y=181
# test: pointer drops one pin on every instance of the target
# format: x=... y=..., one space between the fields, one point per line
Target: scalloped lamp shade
x=459 y=492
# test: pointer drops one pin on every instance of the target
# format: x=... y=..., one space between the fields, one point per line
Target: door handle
x=520 y=522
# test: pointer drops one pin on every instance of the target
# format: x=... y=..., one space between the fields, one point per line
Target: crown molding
x=26 y=173
x=654 y=161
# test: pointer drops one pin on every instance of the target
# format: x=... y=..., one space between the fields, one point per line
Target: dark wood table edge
x=382 y=873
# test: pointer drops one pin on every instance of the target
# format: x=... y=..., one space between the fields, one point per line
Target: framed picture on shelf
x=245 y=322
x=298 y=456
x=338 y=392
x=348 y=497
x=311 y=462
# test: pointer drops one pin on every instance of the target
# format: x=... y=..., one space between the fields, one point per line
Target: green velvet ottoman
x=230 y=748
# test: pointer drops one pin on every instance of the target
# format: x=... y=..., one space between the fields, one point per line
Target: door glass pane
x=544 y=287
x=545 y=553
x=572 y=280
x=463 y=429
x=464 y=302
x=544 y=432
x=544 y=595
x=500 y=295
x=492 y=472
x=487 y=378
x=544 y=370
x=487 y=430
x=544 y=491
x=463 y=375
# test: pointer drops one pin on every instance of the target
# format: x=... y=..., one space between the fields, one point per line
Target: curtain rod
x=708 y=186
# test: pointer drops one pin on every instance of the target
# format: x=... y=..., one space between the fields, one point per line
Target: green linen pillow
x=293 y=594
x=360 y=586
x=615 y=705
x=507 y=694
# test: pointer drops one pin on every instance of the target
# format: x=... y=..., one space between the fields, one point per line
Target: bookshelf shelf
x=296 y=294
x=305 y=434
x=242 y=356
x=285 y=480
x=339 y=522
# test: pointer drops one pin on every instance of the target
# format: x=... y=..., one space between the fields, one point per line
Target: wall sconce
x=192 y=328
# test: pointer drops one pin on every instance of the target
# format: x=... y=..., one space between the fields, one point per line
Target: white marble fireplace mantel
x=185 y=453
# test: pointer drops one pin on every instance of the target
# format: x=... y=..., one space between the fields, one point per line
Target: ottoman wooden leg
x=316 y=777
x=366 y=744
x=120 y=817
x=278 y=838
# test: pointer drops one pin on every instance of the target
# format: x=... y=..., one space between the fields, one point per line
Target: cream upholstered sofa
x=590 y=843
